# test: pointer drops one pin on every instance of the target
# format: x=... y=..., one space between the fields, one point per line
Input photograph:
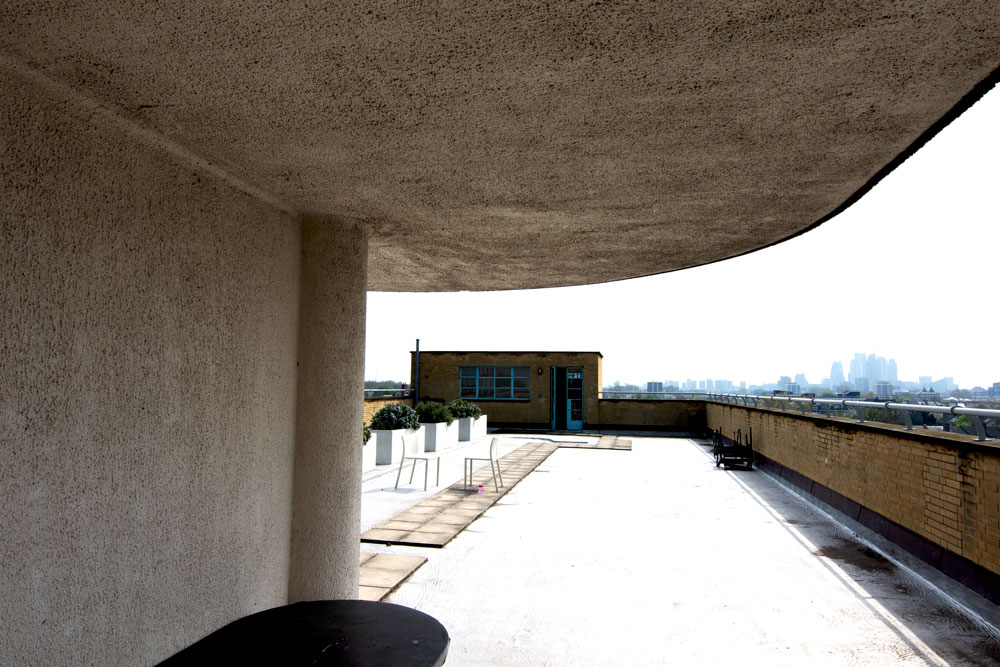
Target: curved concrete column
x=326 y=502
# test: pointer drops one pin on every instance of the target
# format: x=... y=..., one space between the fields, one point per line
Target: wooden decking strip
x=381 y=574
x=436 y=521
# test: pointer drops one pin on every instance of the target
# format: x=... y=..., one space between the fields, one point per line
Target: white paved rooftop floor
x=655 y=557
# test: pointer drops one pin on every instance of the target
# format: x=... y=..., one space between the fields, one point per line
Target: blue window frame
x=495 y=383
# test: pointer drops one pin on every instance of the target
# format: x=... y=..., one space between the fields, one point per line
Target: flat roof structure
x=503 y=145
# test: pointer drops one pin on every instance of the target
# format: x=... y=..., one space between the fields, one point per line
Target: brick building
x=546 y=390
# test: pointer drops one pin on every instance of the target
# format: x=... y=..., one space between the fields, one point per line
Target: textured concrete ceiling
x=497 y=145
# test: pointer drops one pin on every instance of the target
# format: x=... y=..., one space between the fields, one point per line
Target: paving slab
x=380 y=574
x=372 y=593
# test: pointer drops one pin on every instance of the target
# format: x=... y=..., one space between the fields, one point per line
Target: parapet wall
x=936 y=494
x=652 y=415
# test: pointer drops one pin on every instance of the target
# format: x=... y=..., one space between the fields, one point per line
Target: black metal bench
x=733 y=452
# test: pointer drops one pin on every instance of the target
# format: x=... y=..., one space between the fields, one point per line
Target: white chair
x=494 y=466
x=426 y=458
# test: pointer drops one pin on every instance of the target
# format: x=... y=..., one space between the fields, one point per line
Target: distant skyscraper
x=857 y=369
x=893 y=372
x=868 y=370
x=800 y=379
x=925 y=382
x=654 y=386
x=837 y=374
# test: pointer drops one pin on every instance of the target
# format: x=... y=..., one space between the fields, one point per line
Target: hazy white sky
x=909 y=273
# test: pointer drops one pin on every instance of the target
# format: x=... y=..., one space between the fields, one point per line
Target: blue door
x=574 y=398
x=567 y=398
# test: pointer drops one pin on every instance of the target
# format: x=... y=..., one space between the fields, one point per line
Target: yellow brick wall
x=439 y=379
x=685 y=416
x=939 y=485
x=373 y=405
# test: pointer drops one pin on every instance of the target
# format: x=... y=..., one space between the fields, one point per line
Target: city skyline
x=907 y=270
x=887 y=373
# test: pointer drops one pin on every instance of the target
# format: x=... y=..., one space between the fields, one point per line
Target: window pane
x=521 y=393
x=503 y=393
x=486 y=382
x=486 y=371
x=466 y=371
x=520 y=382
x=486 y=393
x=468 y=382
x=522 y=371
x=503 y=371
x=468 y=392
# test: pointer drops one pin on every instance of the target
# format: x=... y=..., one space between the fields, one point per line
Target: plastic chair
x=426 y=458
x=494 y=466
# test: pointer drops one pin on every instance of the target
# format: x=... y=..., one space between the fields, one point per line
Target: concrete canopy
x=502 y=145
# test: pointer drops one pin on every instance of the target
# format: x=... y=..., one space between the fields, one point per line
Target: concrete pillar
x=326 y=502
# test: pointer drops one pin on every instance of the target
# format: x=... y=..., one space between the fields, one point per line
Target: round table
x=327 y=632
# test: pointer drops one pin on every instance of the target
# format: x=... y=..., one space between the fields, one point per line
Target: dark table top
x=329 y=632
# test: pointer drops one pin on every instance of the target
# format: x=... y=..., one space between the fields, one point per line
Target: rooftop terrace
x=655 y=556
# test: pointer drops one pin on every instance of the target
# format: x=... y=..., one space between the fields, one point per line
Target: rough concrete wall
x=940 y=486
x=439 y=379
x=147 y=392
x=681 y=416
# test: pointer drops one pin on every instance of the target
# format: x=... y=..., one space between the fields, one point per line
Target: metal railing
x=975 y=415
x=654 y=395
x=388 y=392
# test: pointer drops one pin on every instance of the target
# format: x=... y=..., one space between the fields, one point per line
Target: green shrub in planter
x=432 y=412
x=395 y=416
x=366 y=433
x=460 y=409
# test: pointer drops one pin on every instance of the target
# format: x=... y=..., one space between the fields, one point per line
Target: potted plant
x=436 y=422
x=367 y=453
x=388 y=425
x=471 y=420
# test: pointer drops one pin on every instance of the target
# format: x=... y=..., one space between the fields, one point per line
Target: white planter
x=471 y=429
x=439 y=436
x=368 y=456
x=389 y=444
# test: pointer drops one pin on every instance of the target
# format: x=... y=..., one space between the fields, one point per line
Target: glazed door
x=567 y=398
x=574 y=398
